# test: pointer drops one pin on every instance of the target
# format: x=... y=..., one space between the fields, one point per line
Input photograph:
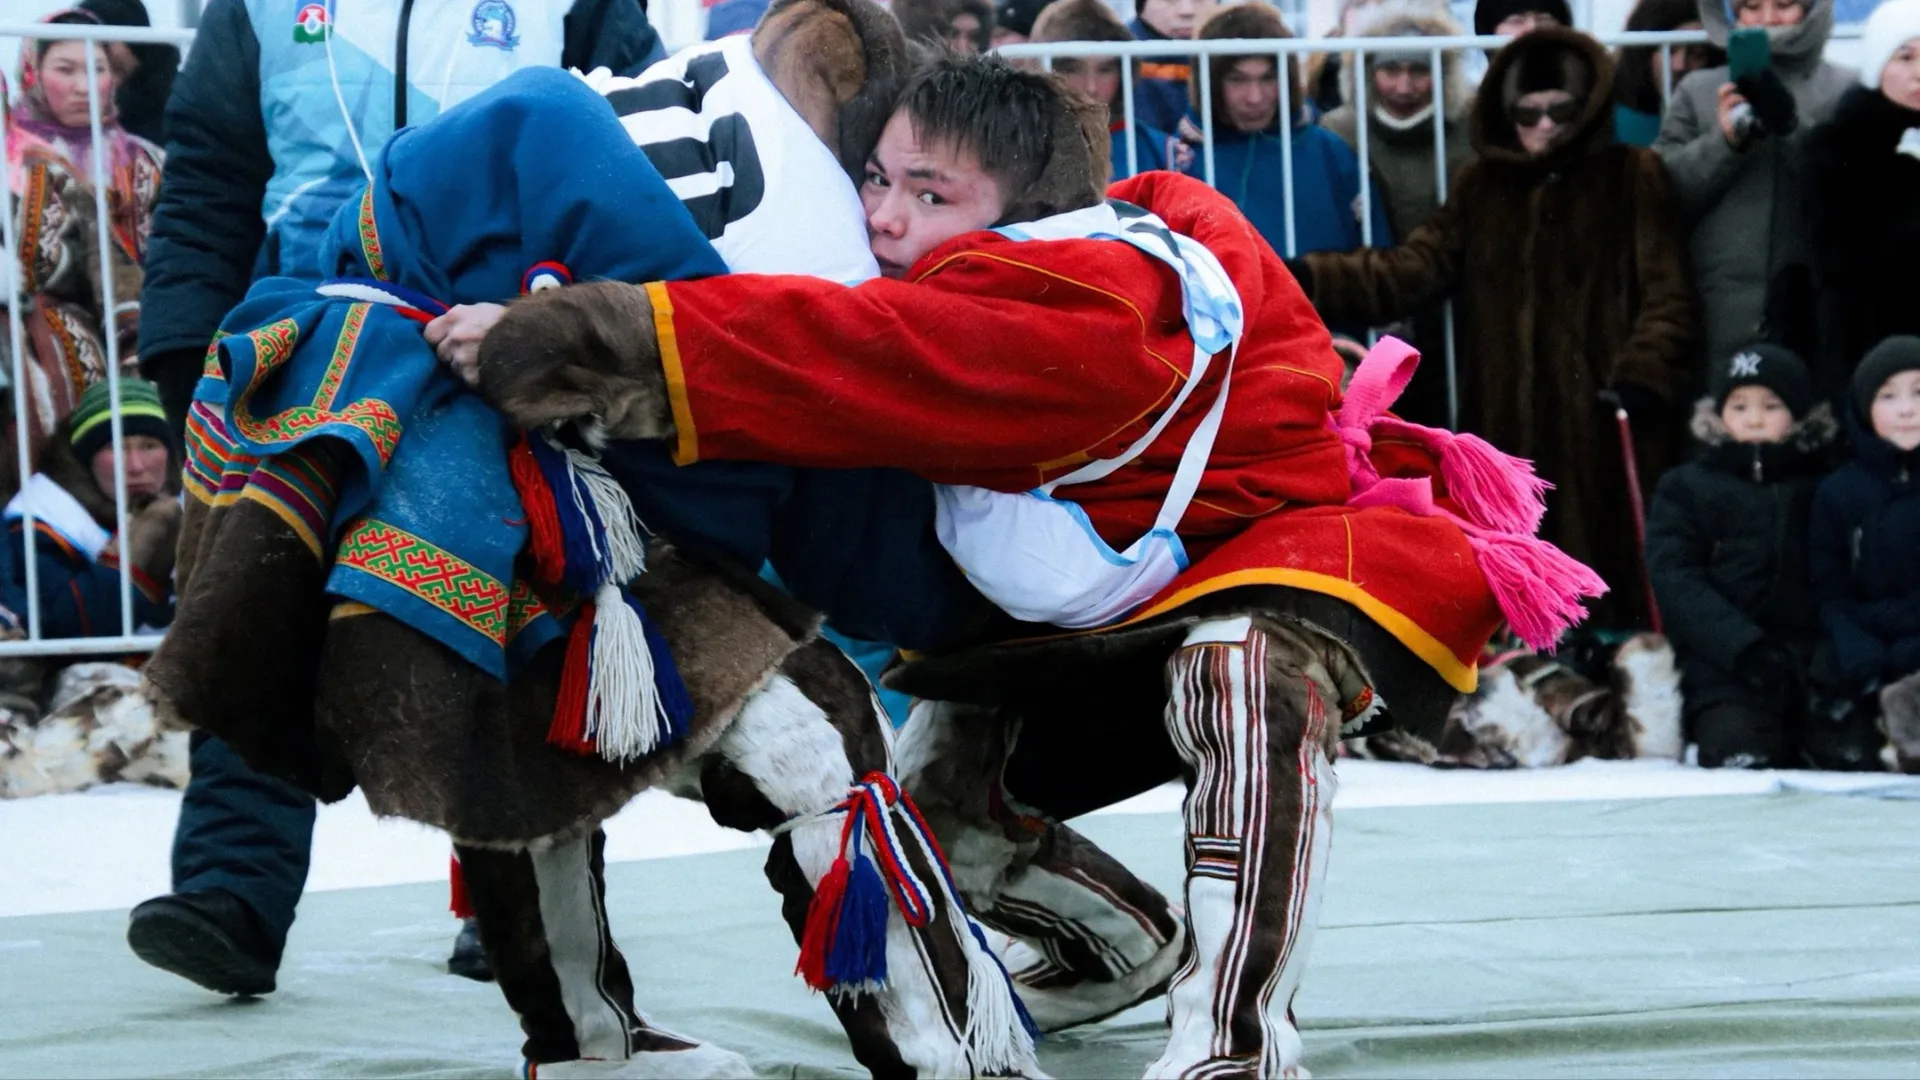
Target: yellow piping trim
x=686 y=450
x=1347 y=521
x=1462 y=677
x=348 y=609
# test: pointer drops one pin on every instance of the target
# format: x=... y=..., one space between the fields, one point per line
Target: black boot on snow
x=210 y=937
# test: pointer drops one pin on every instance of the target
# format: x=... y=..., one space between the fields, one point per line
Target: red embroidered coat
x=1003 y=363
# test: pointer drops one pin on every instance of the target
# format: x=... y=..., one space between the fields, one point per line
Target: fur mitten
x=582 y=351
x=153 y=534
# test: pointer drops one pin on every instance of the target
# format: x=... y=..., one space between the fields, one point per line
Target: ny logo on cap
x=1746 y=365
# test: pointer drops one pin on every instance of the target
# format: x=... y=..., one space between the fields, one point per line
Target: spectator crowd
x=1648 y=263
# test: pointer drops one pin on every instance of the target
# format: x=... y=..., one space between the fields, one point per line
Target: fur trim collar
x=1411 y=20
x=1810 y=434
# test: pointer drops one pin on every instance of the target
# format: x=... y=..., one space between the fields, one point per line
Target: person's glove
x=1646 y=410
x=1767 y=668
x=1774 y=110
x=586 y=350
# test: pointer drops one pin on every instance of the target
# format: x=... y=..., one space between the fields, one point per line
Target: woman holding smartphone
x=1738 y=180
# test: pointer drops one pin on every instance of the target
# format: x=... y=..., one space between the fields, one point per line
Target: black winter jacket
x=1865 y=548
x=206 y=247
x=1863 y=213
x=1726 y=548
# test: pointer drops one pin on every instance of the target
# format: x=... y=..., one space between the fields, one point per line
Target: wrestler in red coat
x=1003 y=363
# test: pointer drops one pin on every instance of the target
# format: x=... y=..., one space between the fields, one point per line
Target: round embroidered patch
x=545 y=275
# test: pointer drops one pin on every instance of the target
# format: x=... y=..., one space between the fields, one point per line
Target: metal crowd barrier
x=1356 y=51
x=1355 y=48
x=12 y=279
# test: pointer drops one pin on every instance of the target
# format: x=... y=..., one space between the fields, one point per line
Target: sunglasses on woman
x=1560 y=112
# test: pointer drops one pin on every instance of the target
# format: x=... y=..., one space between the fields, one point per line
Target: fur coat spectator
x=1727 y=548
x=1401 y=156
x=1744 y=207
x=67 y=310
x=1863 y=210
x=1568 y=280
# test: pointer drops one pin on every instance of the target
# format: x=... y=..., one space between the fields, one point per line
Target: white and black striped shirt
x=762 y=186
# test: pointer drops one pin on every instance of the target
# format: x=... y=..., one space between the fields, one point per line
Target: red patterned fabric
x=1002 y=363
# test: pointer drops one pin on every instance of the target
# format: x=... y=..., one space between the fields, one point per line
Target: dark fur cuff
x=577 y=353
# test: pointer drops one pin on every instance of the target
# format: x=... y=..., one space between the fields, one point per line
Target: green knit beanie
x=141 y=413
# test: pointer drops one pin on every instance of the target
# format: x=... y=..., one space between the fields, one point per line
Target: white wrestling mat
x=1594 y=920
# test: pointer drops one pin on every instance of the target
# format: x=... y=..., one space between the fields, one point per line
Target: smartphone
x=1748 y=53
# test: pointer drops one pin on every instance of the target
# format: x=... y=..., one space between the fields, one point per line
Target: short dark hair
x=984 y=106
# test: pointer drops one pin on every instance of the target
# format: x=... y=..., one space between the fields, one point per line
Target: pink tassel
x=1538 y=586
x=1494 y=489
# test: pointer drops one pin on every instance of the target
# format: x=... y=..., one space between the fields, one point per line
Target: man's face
x=1544 y=119
x=146 y=465
x=1403 y=87
x=1252 y=92
x=918 y=197
x=1524 y=22
x=1098 y=77
x=1771 y=13
x=1176 y=18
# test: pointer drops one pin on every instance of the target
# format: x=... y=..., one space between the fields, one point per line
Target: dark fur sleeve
x=1372 y=286
x=1655 y=354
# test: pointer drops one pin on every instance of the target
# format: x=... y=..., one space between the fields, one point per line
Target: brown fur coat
x=1569 y=278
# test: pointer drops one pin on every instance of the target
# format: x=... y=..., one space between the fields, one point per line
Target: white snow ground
x=108 y=848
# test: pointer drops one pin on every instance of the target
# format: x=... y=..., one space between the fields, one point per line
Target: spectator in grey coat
x=1740 y=185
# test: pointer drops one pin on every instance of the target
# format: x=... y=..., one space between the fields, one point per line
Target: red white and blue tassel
x=620 y=693
x=843 y=947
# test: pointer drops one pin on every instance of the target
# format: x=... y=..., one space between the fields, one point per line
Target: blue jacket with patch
x=261 y=152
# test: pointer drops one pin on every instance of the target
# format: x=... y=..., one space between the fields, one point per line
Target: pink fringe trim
x=1539 y=587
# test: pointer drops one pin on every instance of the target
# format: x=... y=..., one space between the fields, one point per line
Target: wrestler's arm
x=997 y=359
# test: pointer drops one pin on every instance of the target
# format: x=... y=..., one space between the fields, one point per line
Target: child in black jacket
x=1726 y=549
x=1865 y=544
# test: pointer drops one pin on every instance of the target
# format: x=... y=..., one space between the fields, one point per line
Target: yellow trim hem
x=686 y=449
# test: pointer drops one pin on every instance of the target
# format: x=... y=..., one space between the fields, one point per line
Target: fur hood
x=1240 y=21
x=1491 y=131
x=1812 y=433
x=1079 y=20
x=1417 y=20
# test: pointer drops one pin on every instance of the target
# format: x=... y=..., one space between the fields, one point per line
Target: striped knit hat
x=140 y=414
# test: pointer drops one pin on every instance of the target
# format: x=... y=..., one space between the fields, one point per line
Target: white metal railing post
x=1286 y=152
x=1206 y=116
x=1666 y=73
x=1440 y=183
x=110 y=337
x=1128 y=124
x=1360 y=89
x=16 y=282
